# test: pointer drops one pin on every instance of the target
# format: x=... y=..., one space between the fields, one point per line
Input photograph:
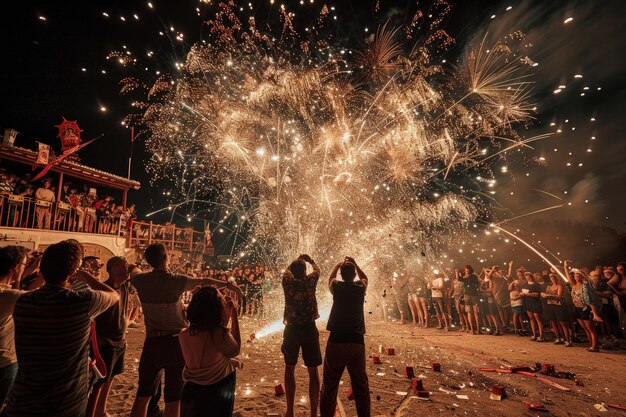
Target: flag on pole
x=58 y=159
x=132 y=134
x=43 y=155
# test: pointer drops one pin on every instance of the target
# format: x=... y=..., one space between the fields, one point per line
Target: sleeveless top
x=553 y=290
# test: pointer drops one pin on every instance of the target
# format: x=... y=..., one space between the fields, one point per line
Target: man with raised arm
x=346 y=344
x=52 y=337
x=160 y=293
x=300 y=329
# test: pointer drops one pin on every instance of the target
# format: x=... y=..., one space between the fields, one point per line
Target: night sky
x=54 y=65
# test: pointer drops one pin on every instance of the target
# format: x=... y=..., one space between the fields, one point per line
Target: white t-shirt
x=516 y=299
x=437 y=287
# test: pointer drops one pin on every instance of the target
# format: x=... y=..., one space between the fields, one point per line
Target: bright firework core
x=322 y=149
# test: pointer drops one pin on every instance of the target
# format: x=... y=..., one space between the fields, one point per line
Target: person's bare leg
x=140 y=407
x=290 y=388
x=502 y=316
x=565 y=331
x=475 y=308
x=448 y=307
x=314 y=390
x=593 y=333
x=533 y=323
x=424 y=311
x=101 y=405
x=470 y=321
x=172 y=409
x=460 y=312
x=555 y=329
x=92 y=402
x=412 y=309
x=537 y=318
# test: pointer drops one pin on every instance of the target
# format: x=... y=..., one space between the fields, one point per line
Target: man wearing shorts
x=300 y=329
x=471 y=297
x=160 y=293
x=111 y=332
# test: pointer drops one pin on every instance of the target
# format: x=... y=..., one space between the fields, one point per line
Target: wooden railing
x=142 y=234
x=28 y=213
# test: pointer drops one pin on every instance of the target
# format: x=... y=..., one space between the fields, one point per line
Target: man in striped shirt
x=52 y=329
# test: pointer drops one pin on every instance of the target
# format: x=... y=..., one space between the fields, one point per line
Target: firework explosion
x=317 y=148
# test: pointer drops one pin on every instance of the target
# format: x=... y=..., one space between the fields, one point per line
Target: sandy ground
x=460 y=355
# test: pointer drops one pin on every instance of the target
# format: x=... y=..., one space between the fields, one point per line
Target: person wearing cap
x=111 y=333
x=44 y=197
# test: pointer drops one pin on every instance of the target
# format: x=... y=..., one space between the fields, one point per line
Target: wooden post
x=124 y=198
x=60 y=187
x=150 y=234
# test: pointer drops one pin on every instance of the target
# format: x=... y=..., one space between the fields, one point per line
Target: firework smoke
x=321 y=149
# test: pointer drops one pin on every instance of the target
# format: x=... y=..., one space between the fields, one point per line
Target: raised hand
x=305 y=258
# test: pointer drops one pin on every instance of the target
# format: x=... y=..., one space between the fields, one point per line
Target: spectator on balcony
x=65 y=191
x=102 y=213
x=88 y=201
x=27 y=191
x=116 y=218
x=21 y=185
x=5 y=184
x=127 y=217
x=73 y=198
x=44 y=197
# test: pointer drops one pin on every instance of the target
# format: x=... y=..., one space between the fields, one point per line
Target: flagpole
x=132 y=144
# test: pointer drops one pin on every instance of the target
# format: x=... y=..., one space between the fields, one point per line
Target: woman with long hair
x=208 y=349
x=458 y=289
x=532 y=304
x=585 y=307
x=420 y=296
x=556 y=311
x=416 y=312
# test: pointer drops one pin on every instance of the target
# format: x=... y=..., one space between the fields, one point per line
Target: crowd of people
x=570 y=303
x=254 y=280
x=80 y=208
x=63 y=333
x=63 y=328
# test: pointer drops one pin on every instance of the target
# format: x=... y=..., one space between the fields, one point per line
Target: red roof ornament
x=69 y=133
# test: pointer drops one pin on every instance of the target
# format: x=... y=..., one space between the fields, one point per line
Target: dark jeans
x=7 y=377
x=338 y=357
x=216 y=400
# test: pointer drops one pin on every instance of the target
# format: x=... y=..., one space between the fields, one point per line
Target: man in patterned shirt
x=300 y=329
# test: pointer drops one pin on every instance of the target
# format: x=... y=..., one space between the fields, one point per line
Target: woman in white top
x=208 y=348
